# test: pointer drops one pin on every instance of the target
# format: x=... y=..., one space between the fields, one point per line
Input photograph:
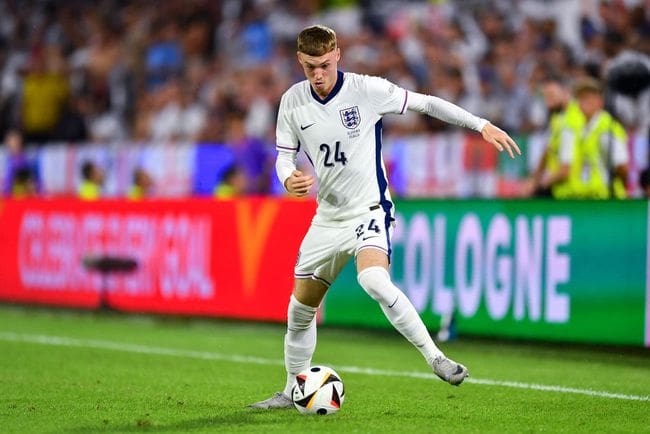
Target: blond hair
x=587 y=85
x=316 y=40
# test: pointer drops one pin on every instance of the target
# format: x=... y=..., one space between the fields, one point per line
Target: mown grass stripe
x=236 y=358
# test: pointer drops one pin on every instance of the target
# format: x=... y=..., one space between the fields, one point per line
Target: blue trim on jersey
x=309 y=158
x=315 y=277
x=335 y=90
x=387 y=221
x=382 y=182
x=287 y=148
x=305 y=151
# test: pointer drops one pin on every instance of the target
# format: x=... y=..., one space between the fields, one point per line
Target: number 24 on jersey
x=339 y=156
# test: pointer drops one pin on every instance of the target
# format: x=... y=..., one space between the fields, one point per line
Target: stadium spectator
x=104 y=124
x=233 y=183
x=115 y=58
x=164 y=56
x=180 y=116
x=44 y=96
x=644 y=182
x=558 y=172
x=515 y=99
x=602 y=146
x=72 y=127
x=21 y=179
x=251 y=154
x=92 y=180
x=142 y=185
x=24 y=184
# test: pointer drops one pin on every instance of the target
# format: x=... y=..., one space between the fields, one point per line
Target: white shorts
x=326 y=249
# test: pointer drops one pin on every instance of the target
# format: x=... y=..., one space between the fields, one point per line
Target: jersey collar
x=335 y=90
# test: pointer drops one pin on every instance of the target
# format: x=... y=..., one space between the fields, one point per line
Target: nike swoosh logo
x=306 y=126
x=367 y=238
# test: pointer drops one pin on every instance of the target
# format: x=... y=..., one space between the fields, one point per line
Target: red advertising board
x=230 y=258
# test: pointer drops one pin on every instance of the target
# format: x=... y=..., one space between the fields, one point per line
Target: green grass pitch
x=82 y=372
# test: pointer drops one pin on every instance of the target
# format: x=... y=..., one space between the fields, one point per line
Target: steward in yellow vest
x=558 y=172
x=91 y=182
x=142 y=185
x=603 y=146
x=233 y=183
x=23 y=184
x=88 y=190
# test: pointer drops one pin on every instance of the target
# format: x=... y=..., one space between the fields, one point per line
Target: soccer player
x=335 y=118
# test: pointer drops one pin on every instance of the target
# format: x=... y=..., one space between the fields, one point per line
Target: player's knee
x=376 y=282
x=299 y=315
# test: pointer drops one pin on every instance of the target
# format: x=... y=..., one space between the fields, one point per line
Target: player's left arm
x=453 y=114
x=386 y=97
x=500 y=139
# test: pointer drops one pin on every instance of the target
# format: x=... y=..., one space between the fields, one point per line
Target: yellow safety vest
x=135 y=193
x=19 y=191
x=571 y=119
x=224 y=191
x=89 y=191
x=596 y=158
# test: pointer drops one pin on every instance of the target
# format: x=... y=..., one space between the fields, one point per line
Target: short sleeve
x=285 y=139
x=620 y=155
x=386 y=97
x=567 y=145
x=618 y=142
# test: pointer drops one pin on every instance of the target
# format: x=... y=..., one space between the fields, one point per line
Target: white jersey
x=341 y=136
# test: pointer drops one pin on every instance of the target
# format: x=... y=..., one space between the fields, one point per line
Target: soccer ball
x=318 y=390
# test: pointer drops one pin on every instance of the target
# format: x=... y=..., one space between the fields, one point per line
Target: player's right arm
x=298 y=184
x=287 y=145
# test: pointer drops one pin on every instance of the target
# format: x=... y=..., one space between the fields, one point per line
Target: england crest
x=350 y=117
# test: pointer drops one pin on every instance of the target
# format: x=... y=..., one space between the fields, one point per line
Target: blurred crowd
x=208 y=71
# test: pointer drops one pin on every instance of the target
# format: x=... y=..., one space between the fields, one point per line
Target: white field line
x=145 y=349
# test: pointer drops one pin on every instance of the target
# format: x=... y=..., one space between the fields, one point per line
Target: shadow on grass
x=243 y=419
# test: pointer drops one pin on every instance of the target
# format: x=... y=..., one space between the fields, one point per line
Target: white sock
x=300 y=340
x=399 y=310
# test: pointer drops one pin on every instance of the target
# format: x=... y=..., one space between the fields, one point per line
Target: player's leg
x=300 y=339
x=319 y=262
x=373 y=276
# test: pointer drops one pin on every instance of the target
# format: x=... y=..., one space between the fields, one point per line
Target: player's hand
x=500 y=139
x=298 y=184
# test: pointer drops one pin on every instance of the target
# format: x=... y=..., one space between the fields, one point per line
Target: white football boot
x=278 y=400
x=450 y=371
